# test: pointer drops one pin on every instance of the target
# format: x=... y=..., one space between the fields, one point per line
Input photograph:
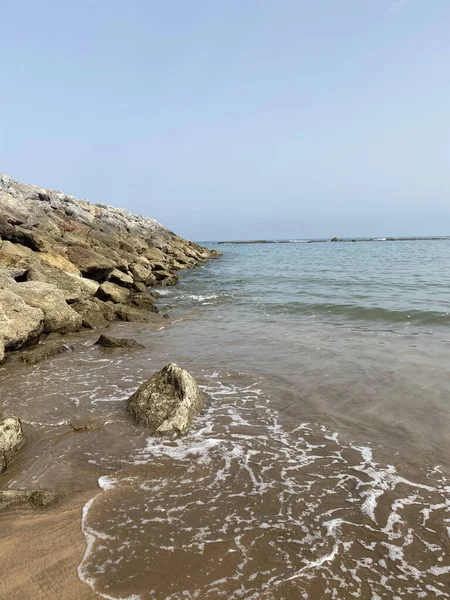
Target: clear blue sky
x=235 y=119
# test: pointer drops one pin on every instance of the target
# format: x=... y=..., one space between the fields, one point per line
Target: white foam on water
x=332 y=513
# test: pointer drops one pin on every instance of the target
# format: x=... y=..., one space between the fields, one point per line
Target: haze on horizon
x=235 y=120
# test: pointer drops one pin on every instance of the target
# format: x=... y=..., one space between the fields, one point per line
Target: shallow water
x=320 y=467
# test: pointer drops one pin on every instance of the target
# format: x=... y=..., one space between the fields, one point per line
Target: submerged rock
x=85 y=424
x=167 y=402
x=111 y=342
x=42 y=351
x=11 y=439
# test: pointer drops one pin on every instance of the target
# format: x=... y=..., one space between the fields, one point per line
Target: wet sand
x=40 y=551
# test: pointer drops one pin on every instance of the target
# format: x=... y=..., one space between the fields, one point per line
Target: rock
x=91 y=264
x=85 y=424
x=113 y=292
x=14 y=265
x=20 y=324
x=121 y=279
x=140 y=287
x=112 y=342
x=60 y=262
x=94 y=313
x=144 y=301
x=125 y=312
x=58 y=316
x=37 y=498
x=16 y=249
x=151 y=280
x=68 y=284
x=88 y=287
x=42 y=351
x=140 y=272
x=11 y=439
x=167 y=402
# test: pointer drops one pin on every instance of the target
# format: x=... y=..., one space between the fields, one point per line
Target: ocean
x=320 y=467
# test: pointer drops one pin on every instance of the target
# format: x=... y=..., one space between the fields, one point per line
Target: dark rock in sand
x=167 y=402
x=11 y=439
x=41 y=499
x=111 y=342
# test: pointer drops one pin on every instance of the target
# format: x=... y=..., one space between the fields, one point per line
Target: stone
x=113 y=292
x=144 y=301
x=140 y=272
x=121 y=278
x=140 y=287
x=58 y=316
x=113 y=342
x=15 y=265
x=43 y=351
x=167 y=402
x=91 y=264
x=60 y=262
x=88 y=287
x=125 y=312
x=11 y=439
x=85 y=424
x=68 y=284
x=94 y=313
x=38 y=498
x=20 y=324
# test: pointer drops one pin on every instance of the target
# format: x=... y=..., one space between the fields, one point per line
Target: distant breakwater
x=346 y=240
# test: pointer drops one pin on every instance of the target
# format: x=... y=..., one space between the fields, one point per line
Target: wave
x=361 y=313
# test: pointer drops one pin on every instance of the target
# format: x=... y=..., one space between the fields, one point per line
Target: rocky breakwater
x=66 y=264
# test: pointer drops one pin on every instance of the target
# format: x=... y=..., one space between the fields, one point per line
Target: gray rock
x=58 y=316
x=111 y=342
x=43 y=351
x=68 y=284
x=94 y=313
x=167 y=402
x=91 y=264
x=20 y=324
x=11 y=439
x=113 y=292
x=120 y=278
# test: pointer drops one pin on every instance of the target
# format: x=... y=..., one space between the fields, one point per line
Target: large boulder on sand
x=11 y=439
x=20 y=324
x=167 y=402
x=58 y=316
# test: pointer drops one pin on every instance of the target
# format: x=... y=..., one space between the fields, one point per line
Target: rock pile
x=67 y=264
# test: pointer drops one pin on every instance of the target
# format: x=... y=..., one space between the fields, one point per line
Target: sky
x=235 y=119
